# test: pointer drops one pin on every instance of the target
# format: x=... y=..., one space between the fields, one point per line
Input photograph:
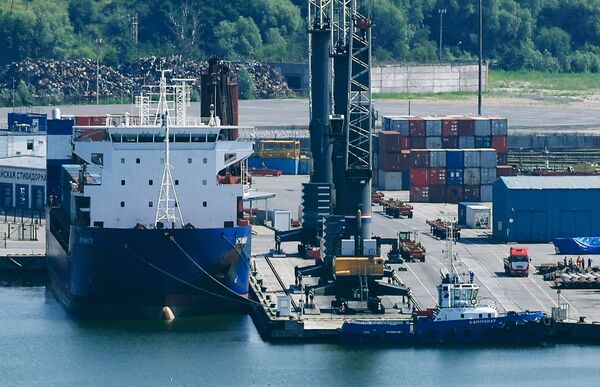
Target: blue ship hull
x=136 y=272
x=513 y=328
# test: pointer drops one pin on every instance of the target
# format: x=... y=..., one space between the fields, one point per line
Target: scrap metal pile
x=77 y=77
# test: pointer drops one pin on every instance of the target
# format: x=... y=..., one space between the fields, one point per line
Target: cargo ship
x=460 y=318
x=145 y=211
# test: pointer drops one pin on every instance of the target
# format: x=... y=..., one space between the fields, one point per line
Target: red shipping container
x=389 y=141
x=419 y=158
x=505 y=170
x=471 y=193
x=437 y=194
x=454 y=193
x=449 y=127
x=500 y=144
x=450 y=142
x=418 y=142
x=466 y=126
x=437 y=176
x=419 y=194
x=394 y=162
x=419 y=177
x=404 y=143
x=501 y=158
x=416 y=127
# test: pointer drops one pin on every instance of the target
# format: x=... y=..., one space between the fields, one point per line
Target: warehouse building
x=22 y=183
x=541 y=208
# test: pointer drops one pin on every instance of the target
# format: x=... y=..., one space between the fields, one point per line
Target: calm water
x=41 y=345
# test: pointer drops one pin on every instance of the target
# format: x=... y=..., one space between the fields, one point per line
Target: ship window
x=176 y=182
x=97 y=158
x=129 y=138
x=489 y=315
x=29 y=144
x=171 y=138
x=122 y=160
x=204 y=204
x=462 y=316
x=228 y=224
x=150 y=204
x=176 y=204
x=480 y=315
x=189 y=160
x=203 y=182
x=145 y=138
x=122 y=182
x=137 y=161
x=212 y=137
x=122 y=204
x=205 y=160
x=159 y=138
x=150 y=182
x=199 y=138
x=99 y=224
x=182 y=138
x=229 y=156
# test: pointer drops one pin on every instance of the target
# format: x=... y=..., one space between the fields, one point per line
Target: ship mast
x=168 y=209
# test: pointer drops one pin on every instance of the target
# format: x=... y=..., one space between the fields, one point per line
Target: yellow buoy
x=167 y=314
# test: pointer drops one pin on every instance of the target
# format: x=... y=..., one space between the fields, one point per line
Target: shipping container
x=450 y=142
x=486 y=193
x=466 y=142
x=488 y=176
x=471 y=158
x=437 y=176
x=449 y=127
x=389 y=141
x=502 y=158
x=472 y=176
x=499 y=126
x=394 y=162
x=433 y=143
x=400 y=124
x=405 y=180
x=375 y=143
x=100 y=120
x=417 y=142
x=471 y=193
x=390 y=181
x=455 y=159
x=466 y=126
x=27 y=122
x=500 y=144
x=437 y=194
x=483 y=127
x=541 y=208
x=454 y=193
x=419 y=194
x=416 y=127
x=433 y=126
x=478 y=216
x=483 y=142
x=419 y=158
x=419 y=177
x=437 y=158
x=488 y=158
x=454 y=176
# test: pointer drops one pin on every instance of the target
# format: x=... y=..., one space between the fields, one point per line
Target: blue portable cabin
x=540 y=208
x=27 y=122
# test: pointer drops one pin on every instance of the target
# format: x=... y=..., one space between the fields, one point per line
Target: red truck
x=517 y=263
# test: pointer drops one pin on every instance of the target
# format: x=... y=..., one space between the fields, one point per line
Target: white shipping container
x=483 y=127
x=370 y=247
x=347 y=247
x=433 y=143
x=472 y=158
x=478 y=216
x=437 y=158
x=488 y=158
x=390 y=181
x=280 y=220
x=433 y=126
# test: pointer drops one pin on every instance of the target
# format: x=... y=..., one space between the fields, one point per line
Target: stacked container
x=465 y=177
x=452 y=175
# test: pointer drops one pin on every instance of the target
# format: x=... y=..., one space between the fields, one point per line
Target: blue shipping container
x=406 y=180
x=455 y=159
x=455 y=176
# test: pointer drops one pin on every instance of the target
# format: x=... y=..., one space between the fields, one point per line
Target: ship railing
x=487 y=302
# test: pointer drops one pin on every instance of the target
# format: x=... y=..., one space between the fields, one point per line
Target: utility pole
x=480 y=56
x=441 y=11
x=98 y=42
x=134 y=28
x=13 y=92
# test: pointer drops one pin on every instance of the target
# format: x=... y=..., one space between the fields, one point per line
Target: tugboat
x=460 y=318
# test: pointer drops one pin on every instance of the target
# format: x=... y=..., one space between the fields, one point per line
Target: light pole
x=441 y=11
x=98 y=43
x=480 y=56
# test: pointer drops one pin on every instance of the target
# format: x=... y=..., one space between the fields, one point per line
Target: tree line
x=543 y=35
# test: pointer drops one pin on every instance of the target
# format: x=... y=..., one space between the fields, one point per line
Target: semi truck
x=517 y=263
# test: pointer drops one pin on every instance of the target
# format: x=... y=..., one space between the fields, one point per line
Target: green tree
x=246 y=84
x=238 y=40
